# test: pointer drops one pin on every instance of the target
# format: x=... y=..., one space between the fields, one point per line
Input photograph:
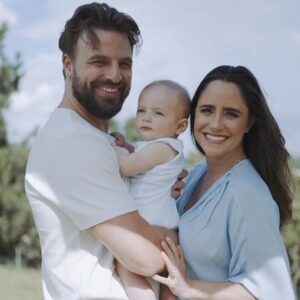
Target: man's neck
x=70 y=102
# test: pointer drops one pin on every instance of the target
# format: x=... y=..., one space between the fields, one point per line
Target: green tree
x=291 y=233
x=130 y=130
x=17 y=229
x=10 y=76
x=127 y=129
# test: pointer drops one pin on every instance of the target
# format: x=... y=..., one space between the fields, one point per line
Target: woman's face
x=221 y=120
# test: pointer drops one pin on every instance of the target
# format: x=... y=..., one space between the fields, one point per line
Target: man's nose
x=113 y=73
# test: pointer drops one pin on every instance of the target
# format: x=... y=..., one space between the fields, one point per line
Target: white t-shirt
x=72 y=183
x=151 y=189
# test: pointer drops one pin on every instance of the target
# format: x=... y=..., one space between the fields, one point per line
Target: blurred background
x=182 y=41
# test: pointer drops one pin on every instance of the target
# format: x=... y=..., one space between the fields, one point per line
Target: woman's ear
x=250 y=124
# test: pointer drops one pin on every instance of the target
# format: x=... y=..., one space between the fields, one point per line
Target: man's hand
x=179 y=184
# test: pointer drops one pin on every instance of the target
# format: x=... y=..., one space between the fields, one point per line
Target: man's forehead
x=95 y=38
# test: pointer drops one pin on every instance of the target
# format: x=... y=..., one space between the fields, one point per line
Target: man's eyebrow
x=126 y=59
x=104 y=57
x=98 y=56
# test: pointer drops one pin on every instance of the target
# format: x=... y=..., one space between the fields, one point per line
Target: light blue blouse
x=232 y=233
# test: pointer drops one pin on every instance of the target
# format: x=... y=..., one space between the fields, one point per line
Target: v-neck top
x=232 y=233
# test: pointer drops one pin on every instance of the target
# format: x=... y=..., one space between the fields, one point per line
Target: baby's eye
x=159 y=113
x=140 y=110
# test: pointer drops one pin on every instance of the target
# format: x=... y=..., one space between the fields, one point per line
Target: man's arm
x=134 y=242
x=145 y=159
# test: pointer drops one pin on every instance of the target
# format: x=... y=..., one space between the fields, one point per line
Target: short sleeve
x=86 y=181
x=258 y=256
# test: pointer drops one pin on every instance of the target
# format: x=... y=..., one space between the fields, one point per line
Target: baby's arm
x=148 y=157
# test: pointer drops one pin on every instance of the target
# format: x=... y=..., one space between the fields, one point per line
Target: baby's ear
x=182 y=126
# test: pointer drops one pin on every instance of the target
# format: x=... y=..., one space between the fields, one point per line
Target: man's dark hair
x=101 y=16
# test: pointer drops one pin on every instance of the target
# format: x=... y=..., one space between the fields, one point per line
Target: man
x=83 y=212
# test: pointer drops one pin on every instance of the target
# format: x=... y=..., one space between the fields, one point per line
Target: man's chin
x=104 y=114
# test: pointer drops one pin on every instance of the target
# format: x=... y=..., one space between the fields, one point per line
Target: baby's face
x=158 y=113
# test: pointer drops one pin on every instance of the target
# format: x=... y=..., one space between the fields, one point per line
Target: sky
x=182 y=41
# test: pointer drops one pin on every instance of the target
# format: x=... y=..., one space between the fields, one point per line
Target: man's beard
x=99 y=106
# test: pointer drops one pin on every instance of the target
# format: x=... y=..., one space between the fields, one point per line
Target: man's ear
x=182 y=126
x=67 y=65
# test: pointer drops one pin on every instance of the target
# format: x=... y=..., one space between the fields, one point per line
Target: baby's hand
x=121 y=142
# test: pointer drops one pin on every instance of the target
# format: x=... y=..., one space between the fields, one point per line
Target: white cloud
x=7 y=15
x=41 y=31
x=28 y=110
x=24 y=99
x=183 y=40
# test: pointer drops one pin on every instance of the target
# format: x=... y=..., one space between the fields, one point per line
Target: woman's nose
x=216 y=122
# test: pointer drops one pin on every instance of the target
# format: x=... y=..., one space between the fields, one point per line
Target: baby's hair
x=185 y=97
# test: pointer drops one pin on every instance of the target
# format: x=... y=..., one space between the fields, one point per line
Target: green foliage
x=193 y=159
x=9 y=81
x=17 y=229
x=130 y=131
x=127 y=129
x=295 y=162
x=291 y=236
x=16 y=284
x=113 y=126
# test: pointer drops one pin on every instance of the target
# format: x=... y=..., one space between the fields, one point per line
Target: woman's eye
x=231 y=115
x=205 y=111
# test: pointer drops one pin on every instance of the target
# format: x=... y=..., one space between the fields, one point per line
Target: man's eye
x=99 y=62
x=126 y=65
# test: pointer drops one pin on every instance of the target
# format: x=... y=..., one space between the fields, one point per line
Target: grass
x=16 y=284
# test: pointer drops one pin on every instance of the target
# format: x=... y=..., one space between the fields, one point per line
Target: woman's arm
x=184 y=287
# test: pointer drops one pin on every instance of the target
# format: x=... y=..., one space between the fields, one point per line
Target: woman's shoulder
x=244 y=175
x=247 y=189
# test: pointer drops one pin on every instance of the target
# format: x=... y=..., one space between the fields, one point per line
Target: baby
x=162 y=115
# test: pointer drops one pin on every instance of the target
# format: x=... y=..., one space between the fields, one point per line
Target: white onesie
x=152 y=189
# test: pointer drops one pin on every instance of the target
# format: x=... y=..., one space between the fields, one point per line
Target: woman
x=234 y=203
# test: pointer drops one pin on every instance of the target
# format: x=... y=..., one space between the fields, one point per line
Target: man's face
x=101 y=77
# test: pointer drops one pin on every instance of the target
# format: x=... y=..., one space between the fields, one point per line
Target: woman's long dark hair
x=264 y=144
